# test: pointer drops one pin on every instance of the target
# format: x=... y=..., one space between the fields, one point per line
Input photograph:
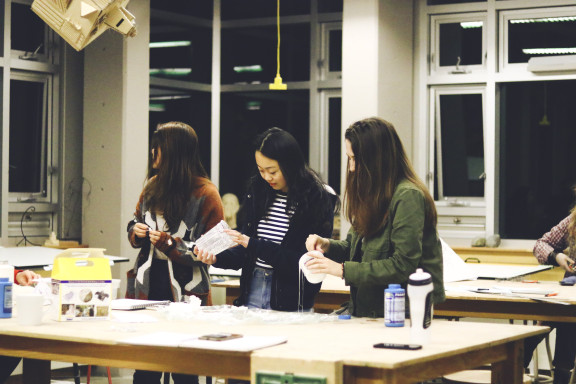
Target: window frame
x=505 y=16
x=325 y=29
x=43 y=196
x=490 y=78
x=434 y=44
x=46 y=57
x=435 y=134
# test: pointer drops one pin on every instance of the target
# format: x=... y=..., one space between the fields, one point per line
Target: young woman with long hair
x=286 y=201
x=178 y=205
x=393 y=220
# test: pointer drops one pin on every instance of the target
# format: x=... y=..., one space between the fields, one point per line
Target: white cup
x=30 y=309
x=313 y=278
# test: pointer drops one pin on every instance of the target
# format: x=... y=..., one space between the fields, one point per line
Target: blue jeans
x=260 y=288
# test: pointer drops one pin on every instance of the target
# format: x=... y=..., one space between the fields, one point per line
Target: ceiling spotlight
x=80 y=22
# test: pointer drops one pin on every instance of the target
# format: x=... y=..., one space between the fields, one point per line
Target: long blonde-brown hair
x=179 y=173
x=380 y=164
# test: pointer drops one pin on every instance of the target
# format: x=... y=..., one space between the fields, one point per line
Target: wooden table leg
x=510 y=370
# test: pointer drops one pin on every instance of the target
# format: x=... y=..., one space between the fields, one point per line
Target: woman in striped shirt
x=286 y=201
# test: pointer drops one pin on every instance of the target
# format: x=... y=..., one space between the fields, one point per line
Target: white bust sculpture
x=231 y=207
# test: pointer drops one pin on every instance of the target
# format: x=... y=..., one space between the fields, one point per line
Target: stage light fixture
x=80 y=22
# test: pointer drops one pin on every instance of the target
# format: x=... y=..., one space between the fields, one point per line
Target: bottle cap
x=344 y=317
x=394 y=286
x=4 y=279
x=420 y=278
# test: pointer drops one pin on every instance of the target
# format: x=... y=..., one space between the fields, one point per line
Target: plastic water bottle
x=5 y=298
x=6 y=270
x=394 y=306
x=420 y=295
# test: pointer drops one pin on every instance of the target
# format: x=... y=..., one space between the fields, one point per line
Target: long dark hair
x=380 y=164
x=180 y=171
x=304 y=185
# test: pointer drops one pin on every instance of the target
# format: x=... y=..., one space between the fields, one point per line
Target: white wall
x=116 y=94
x=377 y=67
x=70 y=150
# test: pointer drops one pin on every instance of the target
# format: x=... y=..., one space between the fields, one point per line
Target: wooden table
x=459 y=303
x=341 y=351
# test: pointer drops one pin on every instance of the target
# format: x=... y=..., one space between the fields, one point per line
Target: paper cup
x=30 y=309
x=115 y=288
x=313 y=278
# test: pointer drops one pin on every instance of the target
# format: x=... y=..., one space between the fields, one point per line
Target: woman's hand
x=161 y=240
x=27 y=277
x=321 y=264
x=205 y=256
x=238 y=238
x=317 y=243
x=140 y=230
x=565 y=262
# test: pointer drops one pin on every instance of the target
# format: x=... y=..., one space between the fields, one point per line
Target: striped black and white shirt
x=274 y=225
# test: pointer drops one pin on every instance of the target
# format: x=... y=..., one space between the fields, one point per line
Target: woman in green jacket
x=393 y=221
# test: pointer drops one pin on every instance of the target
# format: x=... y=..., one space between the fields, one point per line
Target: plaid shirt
x=553 y=242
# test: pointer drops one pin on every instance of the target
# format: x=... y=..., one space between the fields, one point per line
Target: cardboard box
x=81 y=285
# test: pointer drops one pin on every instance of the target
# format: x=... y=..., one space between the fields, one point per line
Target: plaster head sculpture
x=231 y=208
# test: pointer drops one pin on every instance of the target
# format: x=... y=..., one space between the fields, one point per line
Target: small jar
x=5 y=297
x=394 y=306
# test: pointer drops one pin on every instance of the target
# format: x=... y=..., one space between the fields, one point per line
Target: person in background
x=178 y=205
x=393 y=220
x=558 y=248
x=286 y=201
x=9 y=363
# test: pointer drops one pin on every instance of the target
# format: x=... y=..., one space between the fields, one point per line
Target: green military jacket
x=391 y=255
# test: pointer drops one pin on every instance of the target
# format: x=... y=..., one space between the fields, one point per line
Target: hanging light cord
x=278 y=47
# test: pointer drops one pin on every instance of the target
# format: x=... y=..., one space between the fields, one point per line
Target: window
x=254 y=9
x=334 y=121
x=310 y=65
x=249 y=54
x=28 y=136
x=29 y=34
x=244 y=105
x=459 y=154
x=496 y=129
x=458 y=43
x=537 y=173
x=190 y=107
x=539 y=33
x=331 y=51
x=32 y=177
x=325 y=6
x=181 y=68
x=181 y=52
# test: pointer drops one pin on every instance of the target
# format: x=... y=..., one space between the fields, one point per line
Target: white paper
x=216 y=240
x=455 y=269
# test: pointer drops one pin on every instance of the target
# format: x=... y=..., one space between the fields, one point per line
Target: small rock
x=478 y=242
x=493 y=241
